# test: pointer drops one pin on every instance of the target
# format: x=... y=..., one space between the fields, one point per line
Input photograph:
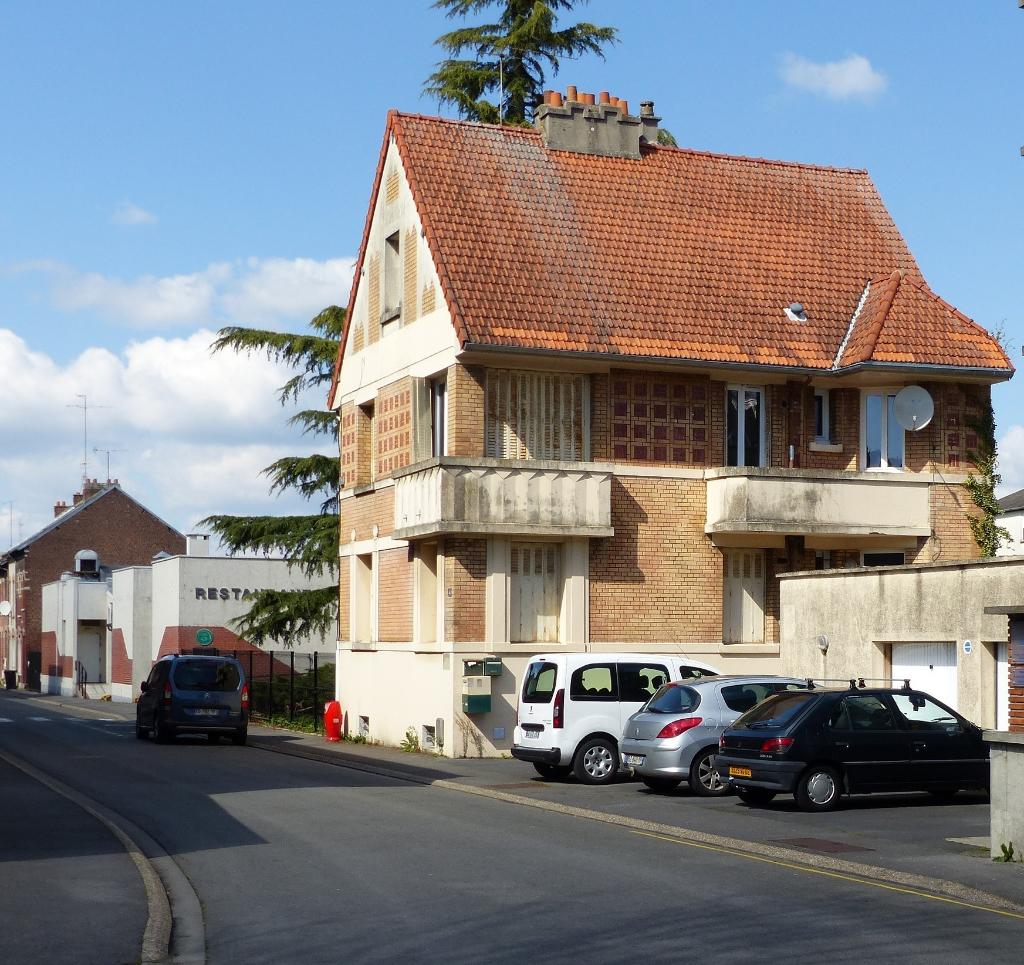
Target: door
x=90 y=654
x=535 y=597
x=34 y=667
x=930 y=667
x=943 y=751
x=868 y=739
x=743 y=597
x=149 y=700
x=1003 y=686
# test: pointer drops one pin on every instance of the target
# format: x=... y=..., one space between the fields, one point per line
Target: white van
x=572 y=707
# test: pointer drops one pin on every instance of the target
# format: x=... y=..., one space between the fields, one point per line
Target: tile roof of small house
x=682 y=254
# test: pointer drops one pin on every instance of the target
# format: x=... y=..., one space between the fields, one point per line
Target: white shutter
x=532 y=415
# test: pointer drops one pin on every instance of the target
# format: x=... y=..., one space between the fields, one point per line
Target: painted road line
x=41 y=719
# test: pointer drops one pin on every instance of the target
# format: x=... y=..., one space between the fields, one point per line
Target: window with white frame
x=744 y=426
x=822 y=418
x=882 y=445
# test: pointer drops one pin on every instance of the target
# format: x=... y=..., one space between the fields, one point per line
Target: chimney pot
x=646 y=108
x=613 y=102
x=570 y=92
x=624 y=106
x=588 y=99
x=556 y=99
x=604 y=97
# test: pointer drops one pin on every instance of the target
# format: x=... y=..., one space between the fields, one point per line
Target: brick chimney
x=59 y=507
x=588 y=125
x=89 y=488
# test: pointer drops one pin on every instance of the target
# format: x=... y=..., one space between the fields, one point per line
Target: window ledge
x=820 y=445
x=390 y=314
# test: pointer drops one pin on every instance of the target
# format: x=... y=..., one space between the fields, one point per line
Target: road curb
x=901 y=880
x=156 y=938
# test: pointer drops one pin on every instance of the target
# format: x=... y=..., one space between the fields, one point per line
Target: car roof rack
x=855 y=683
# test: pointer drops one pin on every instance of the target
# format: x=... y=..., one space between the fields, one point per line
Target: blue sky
x=169 y=168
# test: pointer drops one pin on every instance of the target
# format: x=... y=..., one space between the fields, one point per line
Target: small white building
x=1011 y=518
x=110 y=626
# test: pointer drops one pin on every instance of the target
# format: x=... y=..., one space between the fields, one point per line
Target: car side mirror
x=144 y=686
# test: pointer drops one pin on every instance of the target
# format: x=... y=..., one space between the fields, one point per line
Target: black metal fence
x=288 y=686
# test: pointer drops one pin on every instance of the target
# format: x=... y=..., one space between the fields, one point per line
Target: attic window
x=795 y=312
x=392 y=278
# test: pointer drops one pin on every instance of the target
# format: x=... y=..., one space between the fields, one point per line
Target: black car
x=821 y=744
x=194 y=695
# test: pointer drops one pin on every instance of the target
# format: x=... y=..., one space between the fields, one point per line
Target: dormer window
x=392 y=278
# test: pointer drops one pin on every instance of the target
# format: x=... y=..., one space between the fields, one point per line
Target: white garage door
x=931 y=667
x=1003 y=687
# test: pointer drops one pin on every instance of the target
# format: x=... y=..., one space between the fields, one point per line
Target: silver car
x=674 y=736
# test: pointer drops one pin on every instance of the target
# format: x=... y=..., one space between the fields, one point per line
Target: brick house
x=597 y=393
x=103 y=519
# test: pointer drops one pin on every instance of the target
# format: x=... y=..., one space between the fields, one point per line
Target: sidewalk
x=909 y=840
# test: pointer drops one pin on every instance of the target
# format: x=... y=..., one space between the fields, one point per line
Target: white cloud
x=195 y=429
x=1011 y=460
x=260 y=291
x=852 y=77
x=131 y=215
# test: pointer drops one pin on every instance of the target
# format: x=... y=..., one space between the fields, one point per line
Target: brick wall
x=465 y=575
x=348 y=450
x=655 y=419
x=952 y=538
x=466 y=408
x=120 y=664
x=373 y=298
x=48 y=644
x=122 y=533
x=393 y=413
x=362 y=512
x=344 y=599
x=395 y=596
x=409 y=286
x=659 y=579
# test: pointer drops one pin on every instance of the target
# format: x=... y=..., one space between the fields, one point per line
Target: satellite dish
x=913 y=408
x=5 y=608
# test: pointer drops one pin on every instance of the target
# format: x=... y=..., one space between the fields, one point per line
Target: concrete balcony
x=502 y=497
x=866 y=506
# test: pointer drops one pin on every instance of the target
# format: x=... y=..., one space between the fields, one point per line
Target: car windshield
x=673 y=698
x=216 y=675
x=776 y=711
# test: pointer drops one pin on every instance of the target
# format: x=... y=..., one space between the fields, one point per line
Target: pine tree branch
x=287 y=617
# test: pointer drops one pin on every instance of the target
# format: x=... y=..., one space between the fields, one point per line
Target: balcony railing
x=805 y=502
x=502 y=497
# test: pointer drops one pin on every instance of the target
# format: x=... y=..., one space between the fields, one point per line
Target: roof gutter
x=996 y=375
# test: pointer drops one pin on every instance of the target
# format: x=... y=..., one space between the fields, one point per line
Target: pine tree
x=308 y=542
x=509 y=57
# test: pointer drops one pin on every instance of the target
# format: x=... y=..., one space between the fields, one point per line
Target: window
x=392 y=279
x=539 y=684
x=883 y=559
x=744 y=426
x=823 y=559
x=925 y=714
x=535 y=415
x=638 y=681
x=438 y=417
x=883 y=435
x=596 y=681
x=674 y=699
x=822 y=418
x=779 y=709
x=743 y=697
x=206 y=675
x=861 y=713
x=362 y=599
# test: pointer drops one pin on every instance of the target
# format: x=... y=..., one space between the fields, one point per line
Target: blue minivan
x=193 y=694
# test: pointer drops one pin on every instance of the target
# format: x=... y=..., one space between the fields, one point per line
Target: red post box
x=332 y=720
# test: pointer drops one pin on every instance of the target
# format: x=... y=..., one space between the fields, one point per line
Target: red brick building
x=102 y=518
x=598 y=393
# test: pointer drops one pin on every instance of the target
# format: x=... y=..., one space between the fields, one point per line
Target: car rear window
x=778 y=710
x=539 y=683
x=673 y=699
x=206 y=675
x=744 y=697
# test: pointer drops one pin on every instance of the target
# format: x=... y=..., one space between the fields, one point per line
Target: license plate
x=634 y=760
x=739 y=772
x=531 y=734
x=204 y=712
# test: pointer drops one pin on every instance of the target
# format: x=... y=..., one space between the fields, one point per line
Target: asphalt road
x=298 y=861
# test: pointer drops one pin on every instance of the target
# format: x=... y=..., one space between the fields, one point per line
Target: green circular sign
x=204 y=637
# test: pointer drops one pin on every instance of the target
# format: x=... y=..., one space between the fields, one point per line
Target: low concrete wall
x=1007 y=815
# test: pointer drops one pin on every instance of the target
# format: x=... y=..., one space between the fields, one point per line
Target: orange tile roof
x=679 y=255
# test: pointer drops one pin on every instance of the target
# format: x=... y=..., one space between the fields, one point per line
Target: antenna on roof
x=913 y=408
x=108 y=452
x=84 y=406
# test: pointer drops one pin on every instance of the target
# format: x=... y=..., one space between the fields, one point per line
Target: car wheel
x=596 y=762
x=663 y=785
x=240 y=736
x=162 y=734
x=552 y=771
x=755 y=795
x=818 y=789
x=704 y=779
